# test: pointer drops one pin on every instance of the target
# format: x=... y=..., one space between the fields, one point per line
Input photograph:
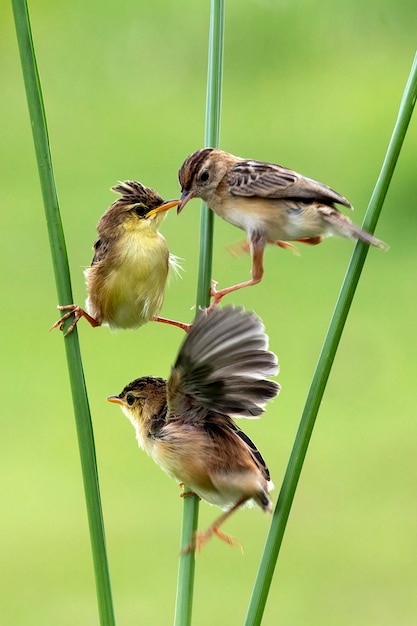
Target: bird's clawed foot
x=202 y=536
x=78 y=313
x=227 y=538
x=216 y=295
x=186 y=494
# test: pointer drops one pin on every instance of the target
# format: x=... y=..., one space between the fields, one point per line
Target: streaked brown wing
x=100 y=250
x=266 y=180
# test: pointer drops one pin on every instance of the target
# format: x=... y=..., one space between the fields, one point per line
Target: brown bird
x=127 y=277
x=185 y=423
x=272 y=204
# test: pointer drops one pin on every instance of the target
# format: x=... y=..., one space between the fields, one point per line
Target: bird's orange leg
x=164 y=320
x=243 y=247
x=201 y=537
x=312 y=241
x=283 y=244
x=257 y=274
x=78 y=313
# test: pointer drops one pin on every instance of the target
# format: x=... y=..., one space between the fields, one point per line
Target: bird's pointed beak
x=185 y=197
x=165 y=206
x=115 y=399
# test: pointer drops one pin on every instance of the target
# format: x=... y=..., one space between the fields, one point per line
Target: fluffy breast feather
x=212 y=461
x=129 y=287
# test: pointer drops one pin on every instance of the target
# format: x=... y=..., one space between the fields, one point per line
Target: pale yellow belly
x=133 y=291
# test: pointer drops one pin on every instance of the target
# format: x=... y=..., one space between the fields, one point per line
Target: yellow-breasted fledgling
x=272 y=204
x=127 y=276
x=185 y=424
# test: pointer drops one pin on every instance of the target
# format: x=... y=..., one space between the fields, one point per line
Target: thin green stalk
x=325 y=361
x=63 y=284
x=186 y=566
x=211 y=139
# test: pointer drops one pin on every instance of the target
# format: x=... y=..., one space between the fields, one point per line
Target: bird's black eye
x=130 y=398
x=204 y=176
x=140 y=210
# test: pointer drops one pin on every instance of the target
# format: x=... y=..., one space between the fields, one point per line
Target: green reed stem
x=325 y=361
x=63 y=285
x=186 y=566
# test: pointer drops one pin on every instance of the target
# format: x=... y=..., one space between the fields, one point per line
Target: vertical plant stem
x=211 y=140
x=186 y=566
x=325 y=361
x=63 y=284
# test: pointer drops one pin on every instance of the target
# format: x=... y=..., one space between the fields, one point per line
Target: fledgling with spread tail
x=272 y=204
x=127 y=276
x=185 y=423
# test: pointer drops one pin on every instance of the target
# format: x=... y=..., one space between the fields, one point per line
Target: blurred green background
x=313 y=85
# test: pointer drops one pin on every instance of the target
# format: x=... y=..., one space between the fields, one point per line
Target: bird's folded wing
x=266 y=180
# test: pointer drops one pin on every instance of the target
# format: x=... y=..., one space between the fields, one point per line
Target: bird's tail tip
x=372 y=240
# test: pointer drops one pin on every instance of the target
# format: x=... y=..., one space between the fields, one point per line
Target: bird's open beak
x=165 y=206
x=115 y=399
x=185 y=197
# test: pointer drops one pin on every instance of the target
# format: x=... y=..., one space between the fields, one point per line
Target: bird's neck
x=149 y=427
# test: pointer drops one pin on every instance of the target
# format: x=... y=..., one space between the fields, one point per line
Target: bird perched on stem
x=185 y=423
x=127 y=276
x=271 y=203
